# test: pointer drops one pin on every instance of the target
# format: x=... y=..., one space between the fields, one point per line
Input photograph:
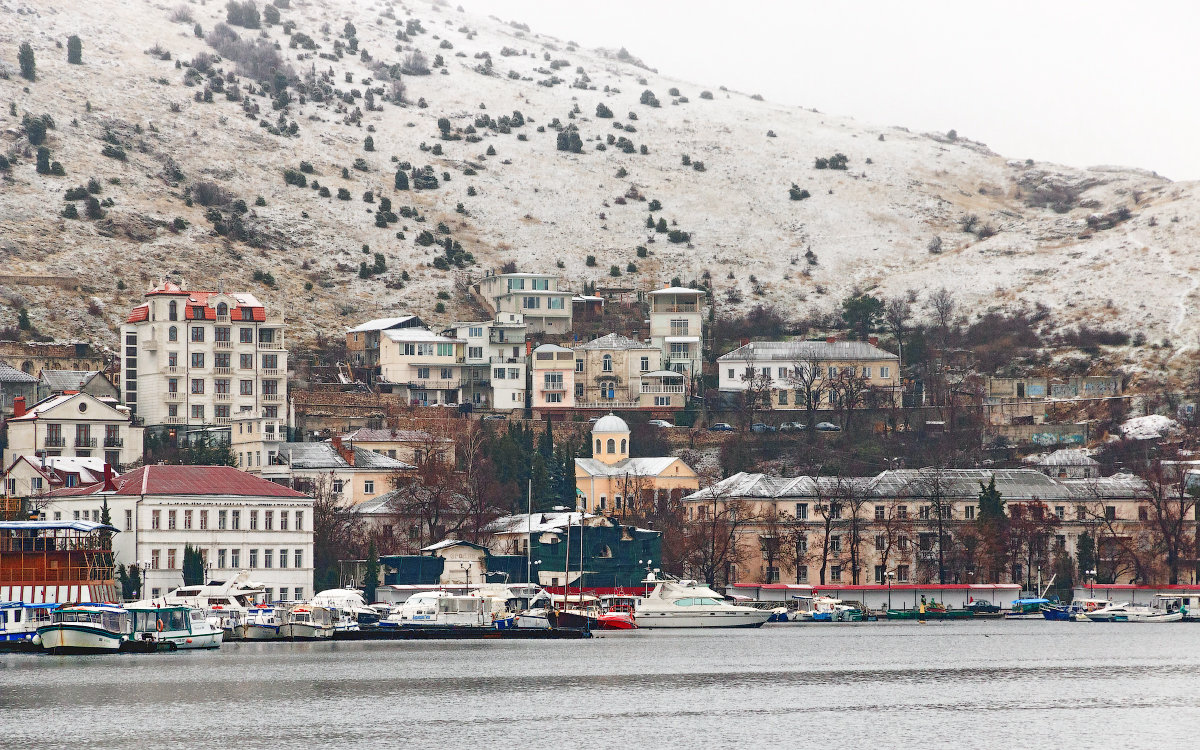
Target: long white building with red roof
x=196 y=358
x=238 y=522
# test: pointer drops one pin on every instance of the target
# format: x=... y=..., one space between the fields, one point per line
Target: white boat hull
x=305 y=631
x=195 y=640
x=257 y=632
x=78 y=638
x=715 y=619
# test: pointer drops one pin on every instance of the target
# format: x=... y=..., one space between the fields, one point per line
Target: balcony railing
x=435 y=385
x=508 y=360
x=174 y=396
x=222 y=344
x=55 y=441
x=173 y=420
x=171 y=369
x=677 y=307
x=272 y=398
x=272 y=372
x=223 y=396
x=651 y=388
x=114 y=442
x=274 y=345
x=221 y=420
x=606 y=404
x=223 y=370
x=85 y=442
x=222 y=318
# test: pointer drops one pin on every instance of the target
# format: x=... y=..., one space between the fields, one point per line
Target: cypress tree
x=43 y=160
x=991 y=504
x=28 y=64
x=193 y=566
x=401 y=180
x=371 y=576
x=74 y=50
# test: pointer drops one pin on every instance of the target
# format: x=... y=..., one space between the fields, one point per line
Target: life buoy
x=159 y=625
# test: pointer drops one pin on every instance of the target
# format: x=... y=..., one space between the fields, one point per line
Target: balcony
x=606 y=404
x=274 y=318
x=272 y=398
x=172 y=369
x=434 y=385
x=114 y=442
x=85 y=442
x=174 y=396
x=271 y=345
x=55 y=441
x=173 y=420
x=222 y=344
x=652 y=388
x=678 y=307
x=222 y=370
x=272 y=372
x=221 y=420
x=223 y=396
x=222 y=318
x=150 y=345
x=509 y=360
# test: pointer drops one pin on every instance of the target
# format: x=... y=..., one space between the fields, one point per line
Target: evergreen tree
x=1085 y=555
x=28 y=64
x=369 y=144
x=106 y=519
x=43 y=160
x=132 y=582
x=193 y=566
x=35 y=130
x=371 y=577
x=650 y=221
x=23 y=320
x=74 y=50
x=862 y=312
x=661 y=226
x=991 y=504
x=401 y=180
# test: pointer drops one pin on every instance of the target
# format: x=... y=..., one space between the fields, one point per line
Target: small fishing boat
x=931 y=611
x=85 y=628
x=1068 y=612
x=173 y=628
x=262 y=623
x=20 y=621
x=305 y=622
x=1029 y=608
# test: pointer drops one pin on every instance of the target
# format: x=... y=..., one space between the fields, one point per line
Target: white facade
x=543 y=299
x=677 y=327
x=495 y=354
x=235 y=528
x=74 y=425
x=197 y=358
x=430 y=368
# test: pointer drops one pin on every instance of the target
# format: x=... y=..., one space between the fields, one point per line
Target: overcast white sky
x=1080 y=83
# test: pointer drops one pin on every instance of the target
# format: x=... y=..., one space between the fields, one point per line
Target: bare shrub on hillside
x=257 y=59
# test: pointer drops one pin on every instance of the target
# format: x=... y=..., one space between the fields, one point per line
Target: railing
x=85 y=442
x=223 y=318
x=272 y=372
x=275 y=345
x=114 y=442
x=649 y=388
x=150 y=344
x=606 y=404
x=677 y=307
x=224 y=396
x=222 y=344
x=272 y=397
x=174 y=396
x=223 y=370
x=507 y=360
x=53 y=441
x=435 y=385
x=174 y=420
x=221 y=420
x=171 y=369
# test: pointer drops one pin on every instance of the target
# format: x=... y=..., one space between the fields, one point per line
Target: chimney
x=873 y=340
x=666 y=285
x=109 y=484
x=831 y=339
x=346 y=452
x=18 y=406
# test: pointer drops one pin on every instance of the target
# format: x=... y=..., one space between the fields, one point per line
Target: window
x=514 y=373
x=579 y=365
x=128 y=520
x=246 y=387
x=880 y=542
x=299 y=522
x=680 y=351
x=198 y=385
x=783 y=398
x=198 y=411
x=268 y=520
x=555 y=303
x=679 y=327
x=338 y=486
x=880 y=512
x=475 y=332
x=246 y=335
x=772 y=574
x=612 y=446
x=606 y=363
x=902 y=511
x=283 y=559
x=254 y=520
x=154 y=558
x=445 y=350
x=246 y=361
x=172 y=310
x=969 y=513
x=1060 y=511
x=662 y=400
x=298 y=592
x=369 y=487
x=885 y=372
x=268 y=558
x=645 y=364
x=902 y=573
x=222 y=519
x=802 y=574
x=221 y=333
x=298 y=559
x=731 y=373
x=835 y=511
x=1143 y=513
x=235 y=520
x=220 y=558
x=173 y=333
x=923 y=512
x=156 y=520
x=879 y=573
x=253 y=558
x=835 y=573
x=270 y=387
x=423 y=373
x=197 y=334
x=531 y=303
x=801 y=511
x=221 y=385
x=171 y=559
x=623 y=448
x=475 y=352
x=235 y=558
x=835 y=543
x=170 y=519
x=283 y=520
x=1110 y=512
x=498 y=373
x=266 y=335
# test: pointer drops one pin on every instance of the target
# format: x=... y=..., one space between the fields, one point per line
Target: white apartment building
x=543 y=299
x=677 y=328
x=495 y=359
x=772 y=365
x=197 y=358
x=553 y=378
x=425 y=366
x=73 y=425
x=237 y=521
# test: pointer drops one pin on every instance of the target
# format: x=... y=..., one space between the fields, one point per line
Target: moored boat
x=1029 y=608
x=688 y=604
x=305 y=622
x=20 y=621
x=85 y=628
x=1069 y=612
x=262 y=623
x=174 y=628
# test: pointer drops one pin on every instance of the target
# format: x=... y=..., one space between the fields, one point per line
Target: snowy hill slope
x=869 y=226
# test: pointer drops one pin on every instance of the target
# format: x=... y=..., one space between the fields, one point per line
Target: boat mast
x=528 y=533
x=567 y=564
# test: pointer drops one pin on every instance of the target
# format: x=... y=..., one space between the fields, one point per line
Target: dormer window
x=222 y=309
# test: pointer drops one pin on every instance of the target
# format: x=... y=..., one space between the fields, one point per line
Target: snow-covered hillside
x=869 y=226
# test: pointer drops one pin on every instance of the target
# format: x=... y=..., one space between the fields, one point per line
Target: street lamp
x=1091 y=574
x=890 y=575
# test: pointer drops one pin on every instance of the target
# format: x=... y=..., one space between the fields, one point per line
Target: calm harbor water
x=977 y=683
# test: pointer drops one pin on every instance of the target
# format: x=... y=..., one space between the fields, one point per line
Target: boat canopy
x=1032 y=600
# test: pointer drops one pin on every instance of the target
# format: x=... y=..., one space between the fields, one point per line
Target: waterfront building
x=74 y=425
x=30 y=478
x=613 y=483
x=195 y=358
x=237 y=521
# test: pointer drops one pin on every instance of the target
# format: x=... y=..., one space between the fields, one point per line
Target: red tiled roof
x=187 y=480
x=167 y=288
x=139 y=313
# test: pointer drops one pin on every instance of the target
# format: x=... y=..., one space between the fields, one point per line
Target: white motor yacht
x=688 y=604
x=306 y=622
x=19 y=622
x=262 y=623
x=85 y=628
x=352 y=609
x=1160 y=609
x=490 y=605
x=226 y=603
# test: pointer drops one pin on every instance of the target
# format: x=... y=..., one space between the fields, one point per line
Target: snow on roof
x=551 y=348
x=380 y=324
x=678 y=290
x=85 y=526
x=614 y=341
x=610 y=423
x=418 y=334
x=1069 y=457
x=325 y=456
x=67 y=380
x=798 y=351
x=370 y=435
x=662 y=374
x=1149 y=427
x=446 y=543
x=646 y=466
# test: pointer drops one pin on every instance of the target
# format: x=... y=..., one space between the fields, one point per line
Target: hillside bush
x=649 y=99
x=27 y=61
x=74 y=50
x=244 y=14
x=603 y=111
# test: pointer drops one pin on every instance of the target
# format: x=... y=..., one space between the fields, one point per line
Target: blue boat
x=19 y=622
x=1068 y=612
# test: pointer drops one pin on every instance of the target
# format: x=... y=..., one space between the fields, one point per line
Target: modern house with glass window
x=193 y=359
x=677 y=327
x=237 y=521
x=73 y=425
x=426 y=367
x=543 y=299
x=494 y=376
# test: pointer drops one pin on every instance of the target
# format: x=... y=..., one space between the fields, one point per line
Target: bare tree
x=850 y=389
x=714 y=544
x=941 y=309
x=897 y=313
x=808 y=379
x=337 y=528
x=891 y=534
x=756 y=395
x=933 y=485
x=771 y=539
x=1172 y=514
x=431 y=497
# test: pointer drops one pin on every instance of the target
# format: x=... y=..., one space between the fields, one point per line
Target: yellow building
x=612 y=483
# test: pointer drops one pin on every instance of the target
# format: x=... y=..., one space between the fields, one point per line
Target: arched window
x=597 y=445
x=608 y=363
x=622 y=446
x=172 y=332
x=612 y=446
x=222 y=308
x=172 y=311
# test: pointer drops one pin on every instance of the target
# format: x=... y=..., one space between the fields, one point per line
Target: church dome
x=610 y=423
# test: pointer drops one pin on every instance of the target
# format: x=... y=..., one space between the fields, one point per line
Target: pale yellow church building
x=611 y=483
